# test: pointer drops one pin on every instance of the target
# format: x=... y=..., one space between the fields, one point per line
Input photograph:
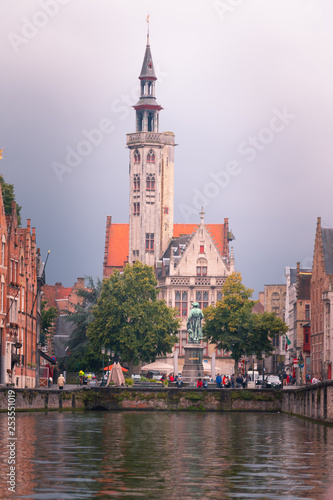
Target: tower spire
x=202 y=215
x=147 y=29
x=146 y=108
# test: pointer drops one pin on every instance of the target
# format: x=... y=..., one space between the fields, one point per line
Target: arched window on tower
x=150 y=182
x=151 y=156
x=136 y=182
x=140 y=122
x=150 y=88
x=137 y=156
x=150 y=122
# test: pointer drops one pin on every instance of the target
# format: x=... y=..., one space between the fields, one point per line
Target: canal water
x=150 y=455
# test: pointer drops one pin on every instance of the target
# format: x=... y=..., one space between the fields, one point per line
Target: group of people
x=173 y=378
x=202 y=383
x=226 y=382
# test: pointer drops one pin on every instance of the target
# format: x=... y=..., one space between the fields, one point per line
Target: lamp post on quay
x=103 y=352
x=300 y=364
x=263 y=355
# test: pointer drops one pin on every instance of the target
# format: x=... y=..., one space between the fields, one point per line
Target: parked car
x=92 y=382
x=154 y=374
x=136 y=377
x=273 y=382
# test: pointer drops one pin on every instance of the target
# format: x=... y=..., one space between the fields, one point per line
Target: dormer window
x=151 y=157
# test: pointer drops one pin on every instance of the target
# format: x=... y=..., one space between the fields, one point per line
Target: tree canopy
x=8 y=196
x=80 y=315
x=48 y=317
x=232 y=325
x=130 y=320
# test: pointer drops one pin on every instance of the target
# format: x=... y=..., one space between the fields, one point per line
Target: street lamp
x=300 y=363
x=103 y=352
x=108 y=353
x=263 y=355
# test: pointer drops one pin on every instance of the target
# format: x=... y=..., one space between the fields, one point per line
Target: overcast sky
x=246 y=87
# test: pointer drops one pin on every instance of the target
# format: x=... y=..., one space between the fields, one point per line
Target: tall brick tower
x=151 y=170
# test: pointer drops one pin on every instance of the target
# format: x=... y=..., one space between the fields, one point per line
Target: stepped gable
x=327 y=239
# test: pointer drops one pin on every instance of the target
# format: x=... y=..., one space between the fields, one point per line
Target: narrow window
x=149 y=241
x=202 y=249
x=150 y=182
x=137 y=156
x=178 y=302
x=2 y=295
x=307 y=311
x=136 y=182
x=151 y=157
x=3 y=254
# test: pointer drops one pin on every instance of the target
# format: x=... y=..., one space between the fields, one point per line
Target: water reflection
x=168 y=455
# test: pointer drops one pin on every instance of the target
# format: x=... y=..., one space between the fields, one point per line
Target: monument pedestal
x=193 y=368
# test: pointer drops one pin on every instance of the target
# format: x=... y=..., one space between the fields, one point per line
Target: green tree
x=8 y=196
x=232 y=325
x=130 y=320
x=80 y=316
x=48 y=318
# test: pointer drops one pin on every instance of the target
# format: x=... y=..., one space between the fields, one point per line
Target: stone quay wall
x=314 y=401
x=135 y=398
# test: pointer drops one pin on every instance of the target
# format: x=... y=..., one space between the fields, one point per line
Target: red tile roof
x=118 y=235
x=215 y=230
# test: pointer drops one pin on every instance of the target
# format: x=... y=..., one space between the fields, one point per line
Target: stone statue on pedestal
x=194 y=324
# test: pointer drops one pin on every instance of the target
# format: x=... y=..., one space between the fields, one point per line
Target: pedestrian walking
x=61 y=381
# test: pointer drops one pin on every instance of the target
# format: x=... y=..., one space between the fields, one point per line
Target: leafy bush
x=129 y=381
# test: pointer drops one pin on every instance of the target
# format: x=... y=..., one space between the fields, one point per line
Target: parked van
x=253 y=375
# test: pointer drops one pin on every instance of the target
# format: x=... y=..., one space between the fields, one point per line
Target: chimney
x=80 y=282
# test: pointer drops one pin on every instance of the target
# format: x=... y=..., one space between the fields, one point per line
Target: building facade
x=322 y=303
x=274 y=302
x=191 y=261
x=297 y=317
x=19 y=301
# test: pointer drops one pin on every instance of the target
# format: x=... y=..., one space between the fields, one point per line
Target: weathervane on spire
x=147 y=19
x=202 y=215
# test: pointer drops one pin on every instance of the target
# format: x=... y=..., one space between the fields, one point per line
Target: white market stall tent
x=159 y=366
